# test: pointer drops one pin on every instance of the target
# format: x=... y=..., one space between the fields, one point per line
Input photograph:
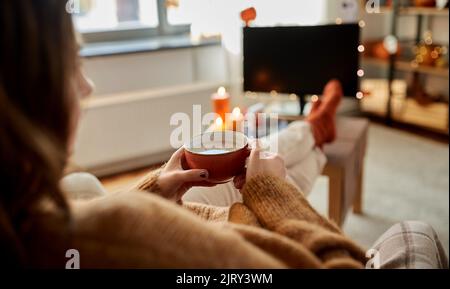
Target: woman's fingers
x=175 y=159
x=255 y=145
x=254 y=154
x=263 y=162
x=239 y=181
x=201 y=184
x=190 y=176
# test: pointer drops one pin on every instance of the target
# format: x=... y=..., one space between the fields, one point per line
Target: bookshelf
x=406 y=66
x=433 y=116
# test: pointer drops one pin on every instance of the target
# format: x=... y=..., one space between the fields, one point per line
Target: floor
x=406 y=178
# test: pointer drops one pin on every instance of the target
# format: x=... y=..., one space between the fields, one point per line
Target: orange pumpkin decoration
x=248 y=15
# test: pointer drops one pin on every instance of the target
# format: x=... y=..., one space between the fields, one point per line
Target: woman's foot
x=332 y=95
x=323 y=113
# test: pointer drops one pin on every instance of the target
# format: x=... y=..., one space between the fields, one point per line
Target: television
x=301 y=59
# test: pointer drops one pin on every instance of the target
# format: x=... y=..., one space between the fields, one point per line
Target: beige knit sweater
x=274 y=227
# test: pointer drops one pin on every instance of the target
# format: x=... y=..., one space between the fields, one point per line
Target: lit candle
x=221 y=102
x=237 y=119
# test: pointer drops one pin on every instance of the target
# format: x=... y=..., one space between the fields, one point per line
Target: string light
x=428 y=37
x=338 y=21
x=360 y=73
x=423 y=50
x=314 y=98
x=359 y=95
x=362 y=24
x=361 y=48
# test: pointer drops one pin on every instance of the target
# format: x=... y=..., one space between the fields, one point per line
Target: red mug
x=222 y=153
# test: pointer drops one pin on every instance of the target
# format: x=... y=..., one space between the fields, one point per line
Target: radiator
x=129 y=130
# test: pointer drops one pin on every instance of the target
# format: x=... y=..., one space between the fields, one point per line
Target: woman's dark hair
x=37 y=60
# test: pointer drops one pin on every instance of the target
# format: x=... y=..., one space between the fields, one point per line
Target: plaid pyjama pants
x=408 y=245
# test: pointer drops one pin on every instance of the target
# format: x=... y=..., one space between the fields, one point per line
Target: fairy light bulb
x=361 y=48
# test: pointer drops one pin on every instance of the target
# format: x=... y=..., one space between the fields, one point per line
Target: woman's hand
x=261 y=163
x=174 y=181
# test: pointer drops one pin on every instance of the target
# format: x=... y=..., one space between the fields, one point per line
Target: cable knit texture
x=274 y=227
x=149 y=182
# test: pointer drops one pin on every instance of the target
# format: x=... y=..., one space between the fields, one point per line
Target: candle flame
x=219 y=122
x=236 y=112
x=221 y=91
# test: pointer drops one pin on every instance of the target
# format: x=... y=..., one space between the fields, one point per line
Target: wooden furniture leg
x=358 y=201
x=335 y=194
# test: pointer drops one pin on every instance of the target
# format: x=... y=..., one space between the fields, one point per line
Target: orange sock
x=323 y=114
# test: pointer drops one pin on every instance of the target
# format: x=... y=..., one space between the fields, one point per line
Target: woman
x=41 y=85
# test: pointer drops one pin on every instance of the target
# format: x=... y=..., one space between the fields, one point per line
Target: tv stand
x=302 y=102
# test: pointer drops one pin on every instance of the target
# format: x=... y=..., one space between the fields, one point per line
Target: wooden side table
x=345 y=167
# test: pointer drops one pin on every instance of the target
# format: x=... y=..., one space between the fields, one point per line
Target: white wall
x=129 y=72
x=124 y=73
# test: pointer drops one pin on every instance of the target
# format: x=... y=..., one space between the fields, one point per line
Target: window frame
x=164 y=28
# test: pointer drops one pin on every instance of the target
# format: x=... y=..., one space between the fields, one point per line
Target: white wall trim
x=143 y=95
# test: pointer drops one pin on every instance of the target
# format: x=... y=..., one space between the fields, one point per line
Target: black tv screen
x=301 y=59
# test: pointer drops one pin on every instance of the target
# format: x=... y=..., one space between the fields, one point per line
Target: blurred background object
x=248 y=15
x=425 y=3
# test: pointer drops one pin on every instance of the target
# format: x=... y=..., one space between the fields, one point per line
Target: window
x=101 y=15
x=181 y=12
x=110 y=20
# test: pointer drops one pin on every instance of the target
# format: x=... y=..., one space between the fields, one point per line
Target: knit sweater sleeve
x=149 y=182
x=210 y=213
x=281 y=208
x=137 y=230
